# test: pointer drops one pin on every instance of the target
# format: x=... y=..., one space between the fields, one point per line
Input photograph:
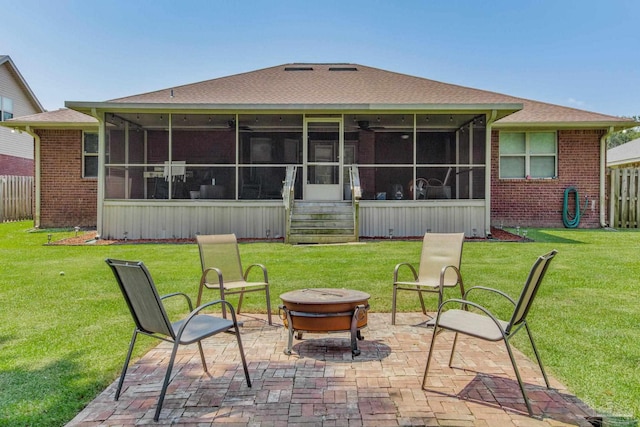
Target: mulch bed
x=89 y=238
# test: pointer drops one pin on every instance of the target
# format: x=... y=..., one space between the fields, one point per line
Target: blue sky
x=583 y=54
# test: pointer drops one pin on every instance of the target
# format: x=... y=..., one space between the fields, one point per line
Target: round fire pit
x=325 y=310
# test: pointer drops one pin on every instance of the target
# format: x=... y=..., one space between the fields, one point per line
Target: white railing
x=356 y=195
x=288 y=196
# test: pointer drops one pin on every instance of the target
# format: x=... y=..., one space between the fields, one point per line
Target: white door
x=322 y=166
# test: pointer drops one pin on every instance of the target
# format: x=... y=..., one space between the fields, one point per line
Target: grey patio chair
x=222 y=270
x=439 y=268
x=151 y=319
x=486 y=326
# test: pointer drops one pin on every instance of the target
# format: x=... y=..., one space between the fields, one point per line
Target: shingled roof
x=351 y=87
x=626 y=153
x=58 y=119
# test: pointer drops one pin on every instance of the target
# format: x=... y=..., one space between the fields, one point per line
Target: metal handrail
x=356 y=195
x=288 y=196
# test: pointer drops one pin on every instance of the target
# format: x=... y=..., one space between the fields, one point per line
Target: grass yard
x=64 y=335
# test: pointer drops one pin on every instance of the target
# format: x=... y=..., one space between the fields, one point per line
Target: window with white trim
x=90 y=155
x=6 y=108
x=528 y=155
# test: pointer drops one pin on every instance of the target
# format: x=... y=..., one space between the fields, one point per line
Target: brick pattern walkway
x=321 y=385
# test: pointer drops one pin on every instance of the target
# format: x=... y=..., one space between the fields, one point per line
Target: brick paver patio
x=321 y=385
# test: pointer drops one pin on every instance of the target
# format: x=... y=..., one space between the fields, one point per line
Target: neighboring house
x=626 y=155
x=16 y=100
x=211 y=157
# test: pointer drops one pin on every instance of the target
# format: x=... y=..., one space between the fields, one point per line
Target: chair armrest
x=206 y=272
x=496 y=291
x=444 y=271
x=397 y=269
x=264 y=272
x=175 y=294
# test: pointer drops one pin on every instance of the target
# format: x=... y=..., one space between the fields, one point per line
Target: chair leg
x=126 y=362
x=515 y=368
x=393 y=305
x=200 y=289
x=535 y=351
x=268 y=296
x=453 y=349
x=426 y=369
x=424 y=310
x=167 y=379
x=244 y=360
x=224 y=307
x=204 y=362
x=240 y=301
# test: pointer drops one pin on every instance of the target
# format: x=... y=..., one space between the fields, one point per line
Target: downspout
x=603 y=176
x=487 y=175
x=36 y=164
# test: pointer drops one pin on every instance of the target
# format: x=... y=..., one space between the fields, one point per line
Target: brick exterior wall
x=15 y=166
x=539 y=203
x=66 y=199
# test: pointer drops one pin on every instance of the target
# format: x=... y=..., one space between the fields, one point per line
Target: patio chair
x=222 y=270
x=487 y=326
x=439 y=268
x=151 y=319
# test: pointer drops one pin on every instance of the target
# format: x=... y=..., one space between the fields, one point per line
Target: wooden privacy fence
x=624 y=198
x=16 y=198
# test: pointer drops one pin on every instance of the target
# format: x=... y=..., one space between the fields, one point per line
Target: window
x=90 y=155
x=6 y=108
x=528 y=155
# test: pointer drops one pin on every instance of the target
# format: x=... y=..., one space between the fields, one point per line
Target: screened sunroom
x=235 y=157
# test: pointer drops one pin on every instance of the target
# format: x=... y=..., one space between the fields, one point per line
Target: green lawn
x=64 y=336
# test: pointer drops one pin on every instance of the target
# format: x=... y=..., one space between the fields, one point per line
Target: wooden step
x=322 y=222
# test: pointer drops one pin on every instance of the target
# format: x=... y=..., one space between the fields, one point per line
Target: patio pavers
x=321 y=385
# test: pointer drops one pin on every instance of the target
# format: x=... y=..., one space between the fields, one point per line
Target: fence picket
x=624 y=199
x=16 y=198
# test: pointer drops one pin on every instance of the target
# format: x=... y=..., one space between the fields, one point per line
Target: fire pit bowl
x=325 y=310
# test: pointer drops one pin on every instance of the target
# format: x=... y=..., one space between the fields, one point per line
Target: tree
x=624 y=136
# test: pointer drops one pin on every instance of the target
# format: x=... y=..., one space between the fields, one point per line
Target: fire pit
x=325 y=310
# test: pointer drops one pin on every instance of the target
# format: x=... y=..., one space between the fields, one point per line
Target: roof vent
x=298 y=68
x=343 y=69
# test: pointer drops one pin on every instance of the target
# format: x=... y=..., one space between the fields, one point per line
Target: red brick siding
x=15 y=166
x=66 y=199
x=539 y=203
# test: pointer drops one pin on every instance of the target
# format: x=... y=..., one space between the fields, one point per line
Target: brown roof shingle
x=313 y=84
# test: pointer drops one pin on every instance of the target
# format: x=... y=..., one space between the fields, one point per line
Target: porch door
x=322 y=166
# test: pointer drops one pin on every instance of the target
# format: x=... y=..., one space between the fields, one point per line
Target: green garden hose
x=569 y=220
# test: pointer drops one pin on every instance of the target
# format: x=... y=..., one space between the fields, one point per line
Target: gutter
x=603 y=175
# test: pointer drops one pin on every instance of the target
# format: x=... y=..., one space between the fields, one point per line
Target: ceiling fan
x=366 y=126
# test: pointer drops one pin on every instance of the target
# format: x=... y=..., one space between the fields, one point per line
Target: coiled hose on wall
x=569 y=220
